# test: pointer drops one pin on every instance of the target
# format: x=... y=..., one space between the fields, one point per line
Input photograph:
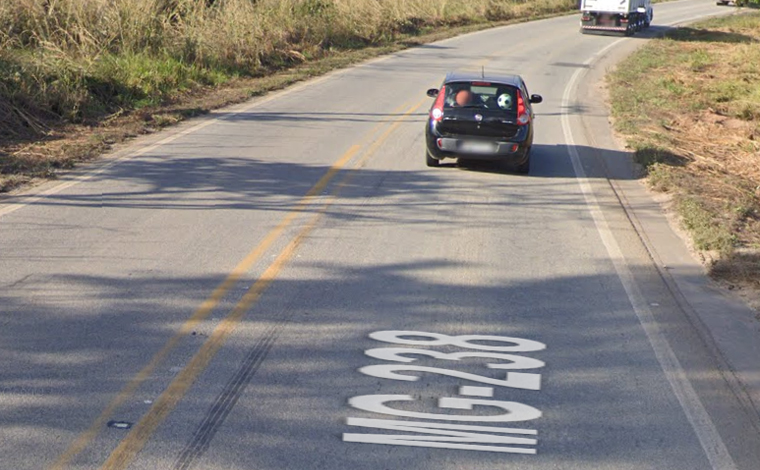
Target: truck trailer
x=618 y=16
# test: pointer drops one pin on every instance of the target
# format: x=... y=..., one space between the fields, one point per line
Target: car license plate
x=477 y=147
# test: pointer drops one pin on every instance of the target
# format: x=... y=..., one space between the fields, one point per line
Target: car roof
x=513 y=80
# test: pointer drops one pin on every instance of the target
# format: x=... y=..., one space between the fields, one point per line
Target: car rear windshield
x=496 y=96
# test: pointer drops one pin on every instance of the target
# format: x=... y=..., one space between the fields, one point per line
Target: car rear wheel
x=524 y=168
x=430 y=161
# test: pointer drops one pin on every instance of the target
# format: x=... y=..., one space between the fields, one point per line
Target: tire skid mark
x=228 y=398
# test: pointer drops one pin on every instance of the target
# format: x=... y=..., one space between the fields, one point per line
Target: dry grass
x=690 y=105
x=73 y=71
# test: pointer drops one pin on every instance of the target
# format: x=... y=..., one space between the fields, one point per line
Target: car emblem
x=478 y=117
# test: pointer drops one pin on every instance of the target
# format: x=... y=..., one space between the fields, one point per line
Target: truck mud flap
x=605 y=30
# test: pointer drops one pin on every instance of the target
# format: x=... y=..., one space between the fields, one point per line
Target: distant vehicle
x=738 y=3
x=481 y=117
x=621 y=16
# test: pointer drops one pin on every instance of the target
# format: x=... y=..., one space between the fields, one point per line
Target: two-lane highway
x=286 y=285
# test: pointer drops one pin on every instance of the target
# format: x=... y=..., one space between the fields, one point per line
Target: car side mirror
x=433 y=92
x=536 y=99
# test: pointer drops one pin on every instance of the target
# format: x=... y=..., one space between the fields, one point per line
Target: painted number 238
x=527 y=381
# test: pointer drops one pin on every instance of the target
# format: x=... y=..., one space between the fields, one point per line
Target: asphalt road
x=229 y=294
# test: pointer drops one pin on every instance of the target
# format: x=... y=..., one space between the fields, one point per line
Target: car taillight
x=522 y=112
x=436 y=113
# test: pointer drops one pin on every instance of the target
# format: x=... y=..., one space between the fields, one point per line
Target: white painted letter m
x=444 y=436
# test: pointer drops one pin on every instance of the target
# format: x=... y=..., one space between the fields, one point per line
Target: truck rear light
x=522 y=112
x=436 y=113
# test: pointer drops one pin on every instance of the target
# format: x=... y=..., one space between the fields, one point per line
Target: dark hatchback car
x=481 y=117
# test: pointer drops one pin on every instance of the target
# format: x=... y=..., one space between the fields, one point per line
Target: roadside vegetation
x=689 y=105
x=79 y=75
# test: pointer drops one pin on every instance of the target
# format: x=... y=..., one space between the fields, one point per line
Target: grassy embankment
x=78 y=75
x=689 y=104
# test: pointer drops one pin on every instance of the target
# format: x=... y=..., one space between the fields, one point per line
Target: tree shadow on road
x=290 y=409
x=195 y=179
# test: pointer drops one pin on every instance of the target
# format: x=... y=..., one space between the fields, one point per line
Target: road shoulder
x=728 y=326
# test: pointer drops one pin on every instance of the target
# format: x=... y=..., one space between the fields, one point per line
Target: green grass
x=708 y=233
x=77 y=91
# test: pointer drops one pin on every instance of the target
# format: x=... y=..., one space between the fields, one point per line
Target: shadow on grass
x=706 y=35
x=742 y=267
x=649 y=155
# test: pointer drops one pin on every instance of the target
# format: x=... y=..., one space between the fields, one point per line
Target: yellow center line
x=133 y=443
x=208 y=305
x=479 y=65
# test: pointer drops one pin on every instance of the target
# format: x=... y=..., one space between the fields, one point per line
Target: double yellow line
x=131 y=445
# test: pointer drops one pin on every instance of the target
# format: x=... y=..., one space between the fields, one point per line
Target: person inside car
x=463 y=98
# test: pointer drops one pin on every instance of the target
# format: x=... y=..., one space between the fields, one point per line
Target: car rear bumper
x=458 y=146
x=510 y=151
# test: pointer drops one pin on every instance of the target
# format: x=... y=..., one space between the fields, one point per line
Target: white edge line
x=709 y=438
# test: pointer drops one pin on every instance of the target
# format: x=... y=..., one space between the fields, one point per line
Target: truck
x=616 y=16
